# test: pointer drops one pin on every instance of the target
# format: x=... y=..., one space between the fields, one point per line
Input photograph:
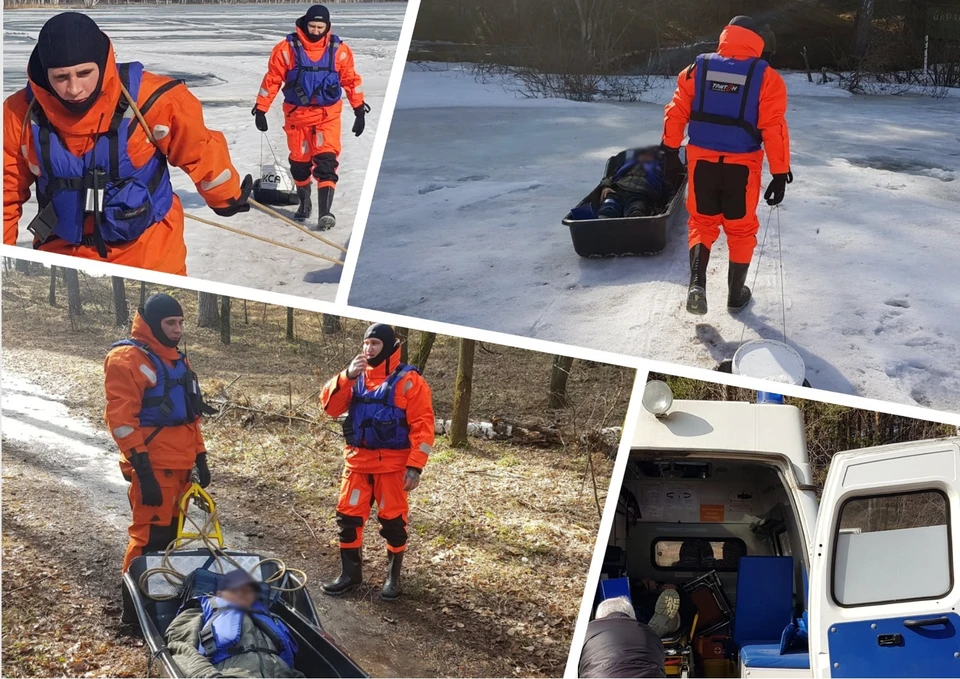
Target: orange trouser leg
x=153 y=528
x=353 y=508
x=742 y=233
x=392 y=508
x=701 y=228
x=314 y=149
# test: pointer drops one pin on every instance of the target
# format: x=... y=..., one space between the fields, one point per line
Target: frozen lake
x=221 y=52
x=476 y=179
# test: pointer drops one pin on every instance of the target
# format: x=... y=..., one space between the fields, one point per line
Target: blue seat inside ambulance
x=764 y=610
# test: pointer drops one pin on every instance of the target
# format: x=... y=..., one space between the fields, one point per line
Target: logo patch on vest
x=726 y=88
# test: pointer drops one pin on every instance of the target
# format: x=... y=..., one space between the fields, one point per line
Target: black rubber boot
x=697 y=293
x=128 y=613
x=351 y=573
x=324 y=202
x=391 y=586
x=306 y=205
x=740 y=295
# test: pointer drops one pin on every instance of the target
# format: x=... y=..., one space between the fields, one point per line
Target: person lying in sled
x=634 y=185
x=72 y=135
x=232 y=634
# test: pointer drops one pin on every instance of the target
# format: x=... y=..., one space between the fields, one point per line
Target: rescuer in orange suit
x=153 y=413
x=389 y=432
x=312 y=67
x=71 y=133
x=732 y=105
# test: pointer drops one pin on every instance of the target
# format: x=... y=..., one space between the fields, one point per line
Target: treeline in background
x=829 y=428
x=850 y=41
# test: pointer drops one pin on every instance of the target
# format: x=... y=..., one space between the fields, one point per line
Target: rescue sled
x=318 y=655
x=620 y=236
x=275 y=187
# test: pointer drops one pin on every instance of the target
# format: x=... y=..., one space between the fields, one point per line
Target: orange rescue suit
x=376 y=475
x=172 y=451
x=176 y=119
x=714 y=205
x=313 y=132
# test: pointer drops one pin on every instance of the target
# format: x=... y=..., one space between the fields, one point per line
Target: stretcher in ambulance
x=719 y=501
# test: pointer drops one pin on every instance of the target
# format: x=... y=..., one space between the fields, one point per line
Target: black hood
x=68 y=39
x=385 y=334
x=315 y=13
x=155 y=309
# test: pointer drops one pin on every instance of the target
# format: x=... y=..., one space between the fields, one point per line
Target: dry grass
x=501 y=535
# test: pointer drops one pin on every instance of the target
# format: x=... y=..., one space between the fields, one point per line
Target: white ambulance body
x=728 y=487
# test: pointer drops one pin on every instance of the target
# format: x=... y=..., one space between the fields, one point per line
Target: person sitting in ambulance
x=618 y=645
x=389 y=432
x=103 y=188
x=312 y=67
x=635 y=187
x=232 y=634
x=732 y=104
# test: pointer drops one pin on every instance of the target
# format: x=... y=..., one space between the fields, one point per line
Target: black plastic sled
x=273 y=196
x=318 y=655
x=621 y=236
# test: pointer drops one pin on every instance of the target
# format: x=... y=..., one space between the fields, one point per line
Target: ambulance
x=719 y=500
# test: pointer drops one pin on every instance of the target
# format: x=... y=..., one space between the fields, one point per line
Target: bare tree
x=462 y=391
x=224 y=319
x=403 y=334
x=52 y=298
x=331 y=324
x=558 y=382
x=423 y=351
x=290 y=336
x=74 y=303
x=143 y=293
x=208 y=316
x=121 y=313
x=864 y=27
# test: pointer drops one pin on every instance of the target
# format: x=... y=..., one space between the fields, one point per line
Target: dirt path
x=474 y=606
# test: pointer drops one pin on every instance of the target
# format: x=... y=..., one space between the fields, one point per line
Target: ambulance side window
x=891 y=548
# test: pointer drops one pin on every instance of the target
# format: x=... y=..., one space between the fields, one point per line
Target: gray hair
x=620 y=604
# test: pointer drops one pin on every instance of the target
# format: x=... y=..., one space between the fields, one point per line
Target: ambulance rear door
x=884 y=592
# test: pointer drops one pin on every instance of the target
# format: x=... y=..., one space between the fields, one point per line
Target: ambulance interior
x=725 y=535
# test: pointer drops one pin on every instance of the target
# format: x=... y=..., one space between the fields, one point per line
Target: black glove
x=261 y=120
x=777 y=188
x=360 y=122
x=672 y=165
x=203 y=471
x=150 y=493
x=238 y=204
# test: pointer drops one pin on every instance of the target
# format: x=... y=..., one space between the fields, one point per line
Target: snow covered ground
x=221 y=51
x=466 y=228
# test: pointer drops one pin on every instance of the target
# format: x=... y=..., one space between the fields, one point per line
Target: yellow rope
x=273 y=213
x=261 y=238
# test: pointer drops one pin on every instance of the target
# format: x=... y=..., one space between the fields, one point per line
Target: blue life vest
x=726 y=104
x=222 y=629
x=640 y=177
x=170 y=402
x=309 y=82
x=133 y=198
x=374 y=420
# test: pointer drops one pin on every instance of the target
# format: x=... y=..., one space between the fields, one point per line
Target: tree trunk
x=74 y=304
x=403 y=334
x=864 y=27
x=331 y=325
x=121 y=313
x=423 y=351
x=22 y=266
x=245 y=319
x=461 y=394
x=208 y=316
x=53 y=286
x=224 y=319
x=290 y=337
x=558 y=382
x=143 y=293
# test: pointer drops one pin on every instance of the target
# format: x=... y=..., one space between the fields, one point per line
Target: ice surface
x=222 y=51
x=470 y=199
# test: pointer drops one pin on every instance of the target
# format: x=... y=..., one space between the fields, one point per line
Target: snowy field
x=221 y=51
x=476 y=179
